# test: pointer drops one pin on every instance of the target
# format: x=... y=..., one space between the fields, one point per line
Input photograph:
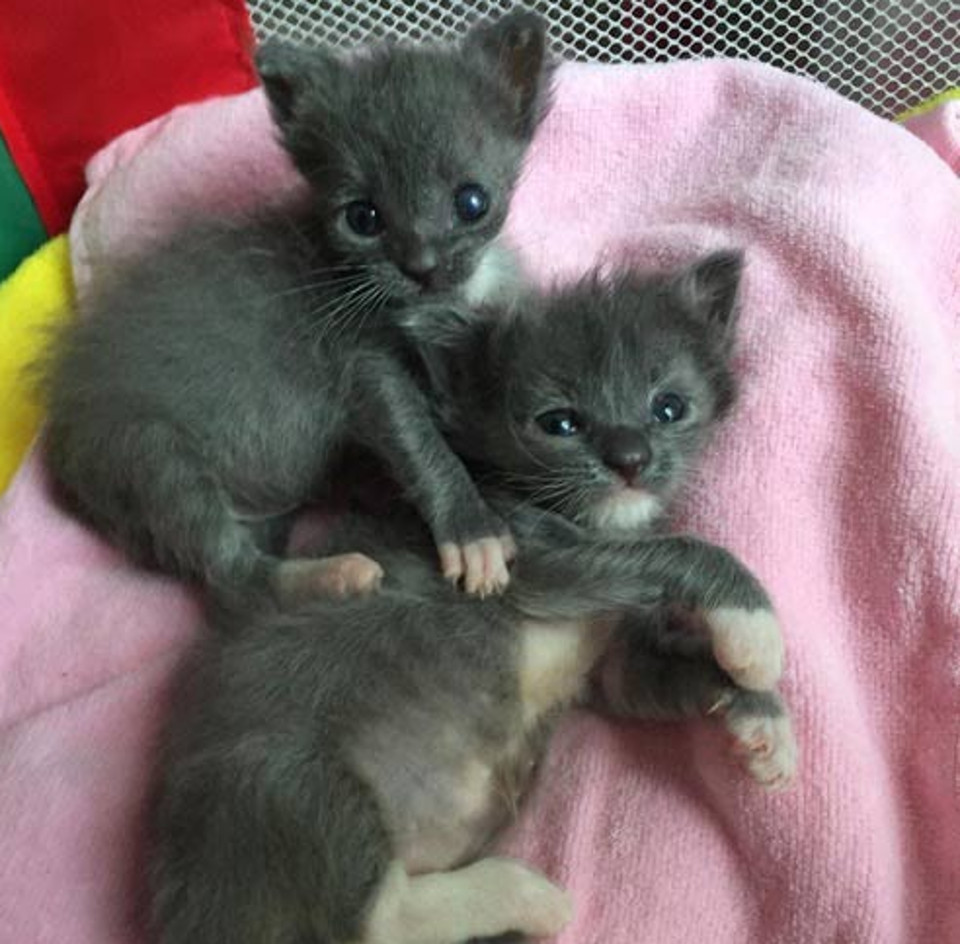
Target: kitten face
x=613 y=388
x=413 y=152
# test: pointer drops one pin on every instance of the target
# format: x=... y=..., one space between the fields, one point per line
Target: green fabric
x=21 y=231
x=929 y=104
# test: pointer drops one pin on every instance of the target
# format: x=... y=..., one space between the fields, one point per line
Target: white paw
x=342 y=575
x=352 y=575
x=747 y=645
x=544 y=908
x=766 y=746
x=481 y=564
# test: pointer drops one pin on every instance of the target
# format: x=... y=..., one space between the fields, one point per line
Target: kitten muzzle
x=627 y=453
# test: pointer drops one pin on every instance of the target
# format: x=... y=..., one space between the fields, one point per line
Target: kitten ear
x=514 y=48
x=289 y=73
x=709 y=289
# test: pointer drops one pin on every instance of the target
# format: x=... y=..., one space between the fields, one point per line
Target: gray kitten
x=334 y=773
x=211 y=384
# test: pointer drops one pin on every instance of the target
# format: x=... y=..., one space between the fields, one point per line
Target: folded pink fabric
x=836 y=480
x=220 y=155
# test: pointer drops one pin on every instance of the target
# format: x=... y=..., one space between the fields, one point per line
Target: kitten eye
x=559 y=423
x=668 y=407
x=363 y=218
x=471 y=202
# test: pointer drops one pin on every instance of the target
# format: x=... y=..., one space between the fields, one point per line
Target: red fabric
x=76 y=73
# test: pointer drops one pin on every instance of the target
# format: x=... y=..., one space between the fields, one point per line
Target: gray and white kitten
x=334 y=773
x=210 y=384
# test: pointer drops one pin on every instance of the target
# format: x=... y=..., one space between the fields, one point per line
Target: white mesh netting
x=886 y=54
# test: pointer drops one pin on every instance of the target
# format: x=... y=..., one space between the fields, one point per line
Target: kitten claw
x=481 y=565
x=451 y=562
x=747 y=645
x=341 y=576
x=720 y=704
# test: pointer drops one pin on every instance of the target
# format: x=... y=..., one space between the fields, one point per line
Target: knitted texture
x=835 y=479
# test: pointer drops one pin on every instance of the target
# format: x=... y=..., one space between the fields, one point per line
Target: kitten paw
x=766 y=746
x=481 y=565
x=747 y=645
x=542 y=908
x=341 y=576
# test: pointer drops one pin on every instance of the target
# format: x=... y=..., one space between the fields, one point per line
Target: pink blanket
x=836 y=480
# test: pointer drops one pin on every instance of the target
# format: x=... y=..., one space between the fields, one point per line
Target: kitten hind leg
x=168 y=509
x=675 y=676
x=762 y=732
x=155 y=496
x=488 y=899
x=646 y=675
x=340 y=575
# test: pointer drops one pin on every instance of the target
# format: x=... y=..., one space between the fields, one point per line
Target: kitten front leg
x=747 y=643
x=392 y=418
x=592 y=578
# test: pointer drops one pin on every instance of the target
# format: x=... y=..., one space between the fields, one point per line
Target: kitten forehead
x=404 y=86
x=679 y=373
x=402 y=112
x=608 y=327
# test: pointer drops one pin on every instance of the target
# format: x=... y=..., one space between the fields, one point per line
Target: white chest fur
x=498 y=277
x=555 y=660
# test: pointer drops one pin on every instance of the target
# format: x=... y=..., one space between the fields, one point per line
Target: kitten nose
x=421 y=268
x=628 y=454
x=629 y=467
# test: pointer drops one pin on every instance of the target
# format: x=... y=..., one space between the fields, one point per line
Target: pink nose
x=629 y=471
x=630 y=463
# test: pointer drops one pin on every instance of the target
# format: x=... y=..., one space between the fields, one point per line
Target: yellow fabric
x=38 y=294
x=929 y=104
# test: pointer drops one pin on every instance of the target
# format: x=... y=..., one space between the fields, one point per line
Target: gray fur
x=208 y=387
x=404 y=127
x=545 y=355
x=311 y=748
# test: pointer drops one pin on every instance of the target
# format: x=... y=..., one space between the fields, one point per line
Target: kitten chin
x=625 y=510
x=497 y=279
